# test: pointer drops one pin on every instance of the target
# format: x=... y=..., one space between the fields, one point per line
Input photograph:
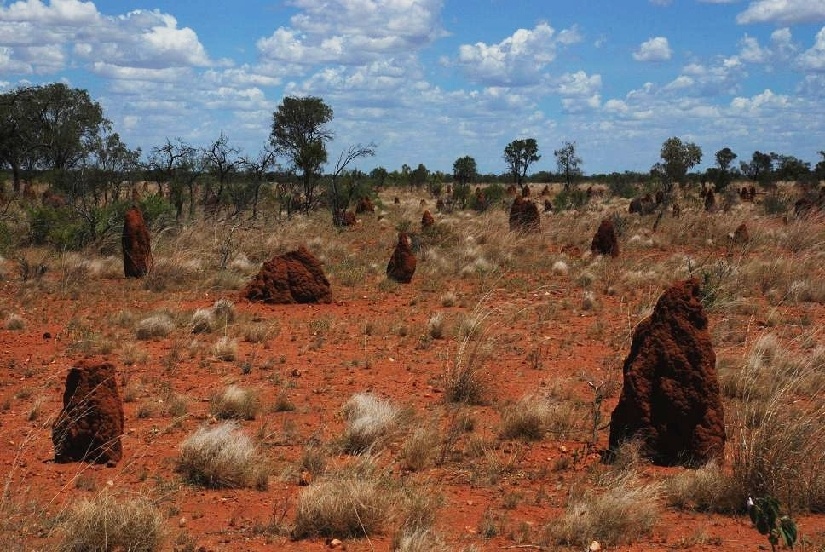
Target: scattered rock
x=89 y=426
x=402 y=263
x=524 y=216
x=137 y=252
x=604 y=241
x=294 y=277
x=670 y=398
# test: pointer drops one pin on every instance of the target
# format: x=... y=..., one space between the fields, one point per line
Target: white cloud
x=353 y=33
x=518 y=60
x=813 y=59
x=655 y=49
x=785 y=12
x=63 y=31
x=759 y=103
x=780 y=51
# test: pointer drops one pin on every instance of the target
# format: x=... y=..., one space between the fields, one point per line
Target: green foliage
x=573 y=198
x=59 y=227
x=157 y=211
x=465 y=170
x=621 y=185
x=6 y=238
x=765 y=515
x=568 y=163
x=775 y=204
x=678 y=158
x=519 y=155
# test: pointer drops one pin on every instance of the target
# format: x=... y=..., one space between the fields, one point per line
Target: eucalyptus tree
x=568 y=163
x=519 y=155
x=300 y=134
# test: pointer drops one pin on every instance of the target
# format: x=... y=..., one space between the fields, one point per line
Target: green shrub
x=775 y=204
x=570 y=199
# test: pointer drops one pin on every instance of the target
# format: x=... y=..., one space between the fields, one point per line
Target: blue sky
x=429 y=81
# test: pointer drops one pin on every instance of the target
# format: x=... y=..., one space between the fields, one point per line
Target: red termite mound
x=524 y=216
x=670 y=399
x=137 y=252
x=427 y=219
x=294 y=277
x=91 y=422
x=604 y=241
x=401 y=266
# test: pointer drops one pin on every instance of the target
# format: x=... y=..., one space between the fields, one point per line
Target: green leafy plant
x=765 y=515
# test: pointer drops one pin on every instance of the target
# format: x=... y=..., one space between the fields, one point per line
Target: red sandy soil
x=368 y=339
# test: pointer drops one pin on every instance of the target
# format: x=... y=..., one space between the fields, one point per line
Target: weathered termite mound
x=605 y=241
x=137 y=252
x=670 y=399
x=364 y=205
x=90 y=424
x=741 y=234
x=294 y=277
x=524 y=216
x=427 y=220
x=642 y=205
x=401 y=266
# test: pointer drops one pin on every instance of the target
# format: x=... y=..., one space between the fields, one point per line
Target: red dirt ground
x=369 y=338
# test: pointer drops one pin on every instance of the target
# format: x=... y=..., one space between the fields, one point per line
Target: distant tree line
x=60 y=136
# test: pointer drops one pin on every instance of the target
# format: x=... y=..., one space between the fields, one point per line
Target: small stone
x=182 y=522
x=595 y=546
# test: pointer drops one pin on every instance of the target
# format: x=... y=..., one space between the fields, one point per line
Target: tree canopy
x=677 y=159
x=519 y=155
x=568 y=163
x=51 y=127
x=300 y=133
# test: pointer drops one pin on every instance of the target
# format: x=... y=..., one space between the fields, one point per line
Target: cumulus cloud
x=353 y=33
x=655 y=49
x=781 y=49
x=518 y=60
x=813 y=59
x=783 y=12
x=49 y=37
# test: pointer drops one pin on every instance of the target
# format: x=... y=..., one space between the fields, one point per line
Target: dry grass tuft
x=221 y=457
x=776 y=428
x=225 y=348
x=108 y=523
x=203 y=321
x=705 y=489
x=344 y=505
x=15 y=323
x=526 y=419
x=157 y=325
x=420 y=448
x=235 y=403
x=625 y=511
x=370 y=421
